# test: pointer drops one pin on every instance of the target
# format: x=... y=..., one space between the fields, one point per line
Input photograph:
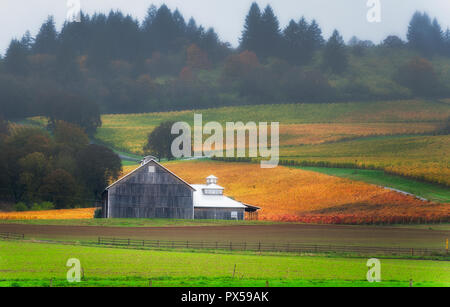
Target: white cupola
x=211 y=187
x=211 y=180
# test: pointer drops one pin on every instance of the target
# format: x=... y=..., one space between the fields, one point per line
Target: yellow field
x=299 y=123
x=295 y=195
x=66 y=214
x=309 y=134
x=133 y=138
x=422 y=157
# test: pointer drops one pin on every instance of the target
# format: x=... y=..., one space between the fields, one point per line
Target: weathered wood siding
x=217 y=213
x=150 y=192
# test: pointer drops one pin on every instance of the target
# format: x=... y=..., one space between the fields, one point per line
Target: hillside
x=287 y=194
x=397 y=136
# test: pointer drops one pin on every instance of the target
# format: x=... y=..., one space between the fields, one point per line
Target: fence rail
x=253 y=247
x=267 y=247
x=11 y=236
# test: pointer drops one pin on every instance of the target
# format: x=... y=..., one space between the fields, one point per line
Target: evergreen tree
x=437 y=36
x=123 y=37
x=148 y=44
x=74 y=36
x=149 y=19
x=251 y=36
x=16 y=61
x=164 y=30
x=425 y=35
x=27 y=40
x=192 y=31
x=98 y=53
x=291 y=42
x=335 y=55
x=271 y=34
x=301 y=41
x=446 y=39
x=47 y=38
x=315 y=35
x=73 y=42
x=180 y=23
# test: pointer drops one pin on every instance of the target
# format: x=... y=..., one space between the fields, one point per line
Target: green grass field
x=138 y=222
x=32 y=264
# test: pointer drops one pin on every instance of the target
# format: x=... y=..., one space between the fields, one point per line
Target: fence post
x=231 y=246
x=99 y=241
x=259 y=246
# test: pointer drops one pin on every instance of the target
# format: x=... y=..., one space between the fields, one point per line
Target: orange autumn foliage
x=286 y=194
x=66 y=214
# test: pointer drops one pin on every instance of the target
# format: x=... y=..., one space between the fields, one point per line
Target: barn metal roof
x=144 y=164
x=213 y=201
x=212 y=186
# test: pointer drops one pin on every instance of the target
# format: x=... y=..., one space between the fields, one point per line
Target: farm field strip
x=422 y=189
x=132 y=139
x=25 y=262
x=424 y=157
x=433 y=236
x=300 y=123
x=64 y=214
x=287 y=194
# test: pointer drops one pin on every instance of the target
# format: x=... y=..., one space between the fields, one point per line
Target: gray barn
x=152 y=191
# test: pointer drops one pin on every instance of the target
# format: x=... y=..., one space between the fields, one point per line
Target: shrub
x=46 y=205
x=98 y=214
x=419 y=76
x=20 y=207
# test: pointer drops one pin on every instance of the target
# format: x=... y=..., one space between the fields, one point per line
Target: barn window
x=234 y=215
x=212 y=192
x=151 y=169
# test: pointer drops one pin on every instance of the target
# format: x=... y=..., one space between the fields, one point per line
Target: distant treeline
x=115 y=64
x=39 y=170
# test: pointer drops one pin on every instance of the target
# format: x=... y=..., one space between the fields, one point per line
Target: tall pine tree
x=335 y=55
x=15 y=61
x=252 y=36
x=425 y=35
x=47 y=38
x=271 y=34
